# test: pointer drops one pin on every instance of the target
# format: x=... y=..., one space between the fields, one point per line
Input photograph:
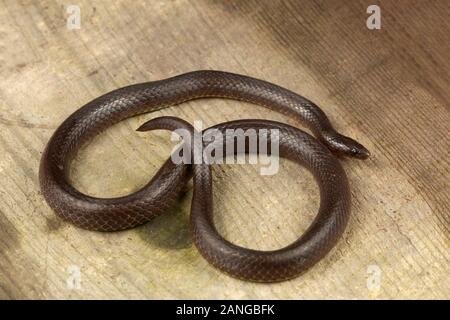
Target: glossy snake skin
x=166 y=186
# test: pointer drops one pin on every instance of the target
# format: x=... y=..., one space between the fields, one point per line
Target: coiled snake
x=166 y=186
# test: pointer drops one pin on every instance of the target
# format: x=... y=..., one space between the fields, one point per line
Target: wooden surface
x=387 y=88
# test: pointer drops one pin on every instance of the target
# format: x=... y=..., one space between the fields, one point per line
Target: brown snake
x=166 y=186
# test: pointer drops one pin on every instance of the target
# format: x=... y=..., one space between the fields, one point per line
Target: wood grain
x=387 y=88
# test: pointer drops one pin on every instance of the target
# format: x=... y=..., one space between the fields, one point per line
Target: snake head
x=346 y=146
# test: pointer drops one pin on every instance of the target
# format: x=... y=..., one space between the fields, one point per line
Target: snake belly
x=163 y=190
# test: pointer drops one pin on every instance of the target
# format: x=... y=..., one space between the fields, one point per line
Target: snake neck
x=343 y=145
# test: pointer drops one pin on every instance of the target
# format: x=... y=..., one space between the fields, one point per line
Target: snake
x=319 y=154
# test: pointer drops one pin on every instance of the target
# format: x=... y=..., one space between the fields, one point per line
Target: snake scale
x=165 y=188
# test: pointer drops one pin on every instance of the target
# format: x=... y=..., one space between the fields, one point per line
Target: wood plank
x=387 y=88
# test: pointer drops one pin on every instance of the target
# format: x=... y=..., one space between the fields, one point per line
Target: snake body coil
x=166 y=186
